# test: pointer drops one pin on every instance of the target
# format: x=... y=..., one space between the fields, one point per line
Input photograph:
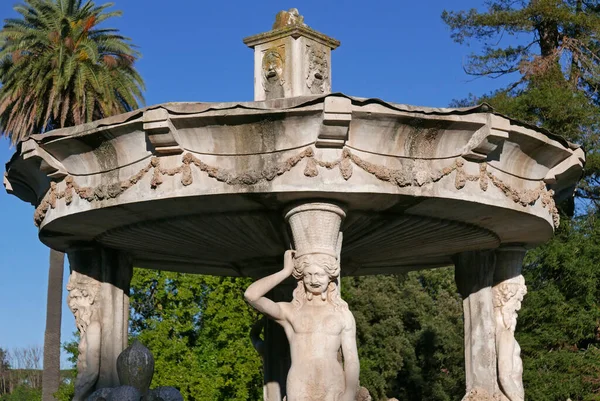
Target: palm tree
x=58 y=68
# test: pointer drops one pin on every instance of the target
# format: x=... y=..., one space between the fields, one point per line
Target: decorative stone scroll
x=411 y=173
x=317 y=321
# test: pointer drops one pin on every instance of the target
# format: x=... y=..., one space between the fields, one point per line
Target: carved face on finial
x=272 y=68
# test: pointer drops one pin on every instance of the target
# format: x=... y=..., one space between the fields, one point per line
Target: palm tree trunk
x=51 y=372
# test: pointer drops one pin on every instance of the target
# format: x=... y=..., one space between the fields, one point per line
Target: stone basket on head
x=316 y=228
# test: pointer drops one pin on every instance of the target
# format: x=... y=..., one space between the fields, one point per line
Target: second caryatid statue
x=317 y=323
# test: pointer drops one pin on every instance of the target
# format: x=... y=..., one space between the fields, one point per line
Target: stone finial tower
x=291 y=59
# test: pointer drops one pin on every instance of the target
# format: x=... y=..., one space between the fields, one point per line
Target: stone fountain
x=203 y=188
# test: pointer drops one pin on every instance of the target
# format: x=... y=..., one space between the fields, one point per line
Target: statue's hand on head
x=288 y=262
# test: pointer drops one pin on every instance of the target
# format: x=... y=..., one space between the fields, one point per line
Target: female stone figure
x=83 y=291
x=507 y=302
x=317 y=323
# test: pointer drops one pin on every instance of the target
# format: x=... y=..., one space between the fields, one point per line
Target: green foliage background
x=198 y=329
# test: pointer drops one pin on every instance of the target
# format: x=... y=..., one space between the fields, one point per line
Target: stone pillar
x=508 y=292
x=474 y=276
x=99 y=298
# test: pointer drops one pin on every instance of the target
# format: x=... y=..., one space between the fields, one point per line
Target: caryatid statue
x=508 y=296
x=317 y=322
x=83 y=302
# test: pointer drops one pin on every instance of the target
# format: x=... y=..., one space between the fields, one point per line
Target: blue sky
x=399 y=51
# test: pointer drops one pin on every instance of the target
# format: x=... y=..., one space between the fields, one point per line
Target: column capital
x=509 y=262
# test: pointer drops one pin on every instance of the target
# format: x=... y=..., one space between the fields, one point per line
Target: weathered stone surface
x=135 y=367
x=474 y=275
x=100 y=394
x=363 y=394
x=479 y=394
x=124 y=393
x=286 y=18
x=164 y=394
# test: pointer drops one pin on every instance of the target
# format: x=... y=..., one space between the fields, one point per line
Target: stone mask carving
x=317 y=78
x=83 y=291
x=508 y=296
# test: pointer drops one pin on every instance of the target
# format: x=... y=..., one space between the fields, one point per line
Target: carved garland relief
x=410 y=174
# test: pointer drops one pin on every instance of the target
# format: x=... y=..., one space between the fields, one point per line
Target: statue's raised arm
x=255 y=294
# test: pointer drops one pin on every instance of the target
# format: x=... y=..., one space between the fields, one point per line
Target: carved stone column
x=99 y=298
x=474 y=276
x=508 y=292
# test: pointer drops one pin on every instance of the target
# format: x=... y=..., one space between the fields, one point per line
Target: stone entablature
x=497 y=174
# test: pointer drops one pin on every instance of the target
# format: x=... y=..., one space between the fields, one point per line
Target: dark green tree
x=409 y=334
x=559 y=325
x=198 y=330
x=23 y=393
x=4 y=370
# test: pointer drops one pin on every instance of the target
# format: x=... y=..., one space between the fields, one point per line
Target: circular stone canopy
x=202 y=187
